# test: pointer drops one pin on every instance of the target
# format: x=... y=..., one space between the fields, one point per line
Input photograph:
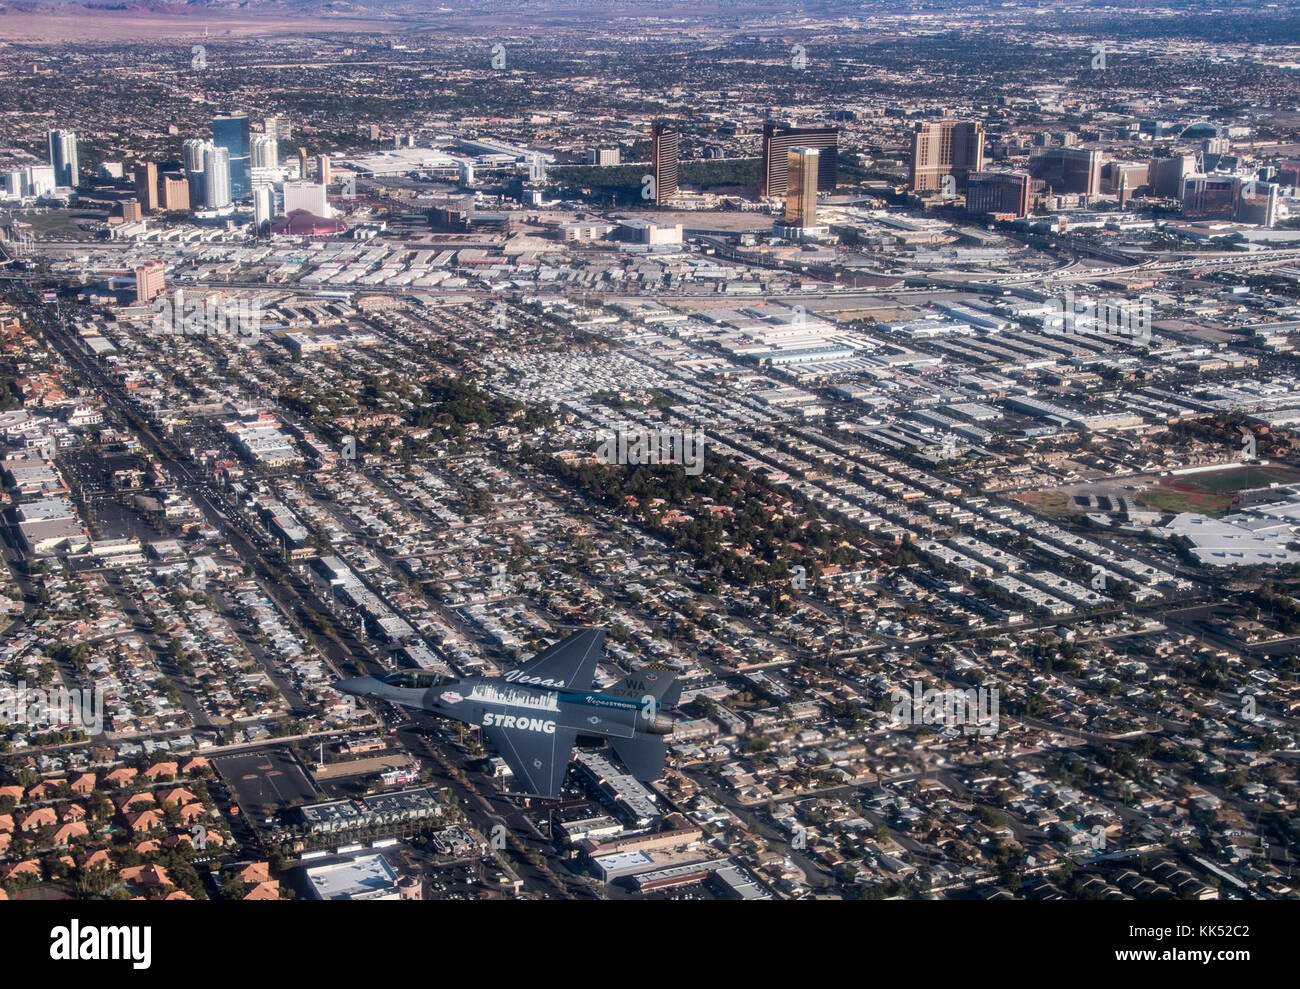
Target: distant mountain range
x=238 y=17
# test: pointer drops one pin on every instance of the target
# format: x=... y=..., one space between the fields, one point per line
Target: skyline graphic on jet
x=534 y=714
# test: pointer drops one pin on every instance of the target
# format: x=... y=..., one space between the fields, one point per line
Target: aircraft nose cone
x=360 y=686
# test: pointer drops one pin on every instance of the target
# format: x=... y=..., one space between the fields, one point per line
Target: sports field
x=1211 y=493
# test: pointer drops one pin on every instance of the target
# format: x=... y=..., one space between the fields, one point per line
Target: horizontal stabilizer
x=643 y=755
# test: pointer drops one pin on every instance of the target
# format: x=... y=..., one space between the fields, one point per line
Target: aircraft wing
x=538 y=760
x=570 y=663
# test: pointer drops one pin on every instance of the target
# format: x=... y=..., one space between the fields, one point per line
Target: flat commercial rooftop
x=366 y=877
x=620 y=864
x=399 y=160
x=402 y=805
x=1232 y=541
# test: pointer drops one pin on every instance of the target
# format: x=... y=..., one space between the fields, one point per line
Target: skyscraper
x=302 y=163
x=263 y=207
x=945 y=147
x=1210 y=197
x=1069 y=170
x=1166 y=175
x=802 y=170
x=1082 y=170
x=63 y=156
x=777 y=142
x=216 y=177
x=150 y=281
x=998 y=192
x=146 y=186
x=175 y=193
x=192 y=154
x=1257 y=202
x=266 y=152
x=1116 y=173
x=306 y=195
x=231 y=133
x=38 y=180
x=1230 y=197
x=277 y=127
x=323 y=169
x=663 y=153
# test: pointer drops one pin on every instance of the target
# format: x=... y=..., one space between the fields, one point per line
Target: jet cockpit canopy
x=416 y=679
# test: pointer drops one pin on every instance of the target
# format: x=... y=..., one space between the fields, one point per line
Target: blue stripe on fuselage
x=598 y=700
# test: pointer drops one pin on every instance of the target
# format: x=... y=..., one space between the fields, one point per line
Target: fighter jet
x=534 y=714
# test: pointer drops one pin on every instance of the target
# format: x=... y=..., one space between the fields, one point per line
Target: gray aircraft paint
x=533 y=714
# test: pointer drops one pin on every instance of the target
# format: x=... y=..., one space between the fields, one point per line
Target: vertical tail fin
x=652 y=680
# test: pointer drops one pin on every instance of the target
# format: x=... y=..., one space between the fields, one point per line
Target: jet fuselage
x=502 y=702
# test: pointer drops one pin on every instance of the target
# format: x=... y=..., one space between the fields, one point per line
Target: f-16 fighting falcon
x=534 y=714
